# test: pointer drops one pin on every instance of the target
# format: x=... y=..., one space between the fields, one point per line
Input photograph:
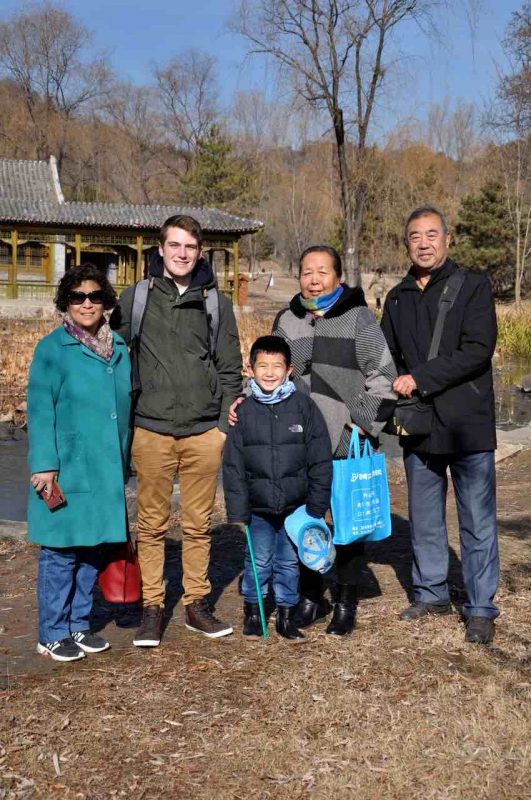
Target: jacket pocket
x=73 y=470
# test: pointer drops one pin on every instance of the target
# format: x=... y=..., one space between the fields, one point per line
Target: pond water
x=513 y=407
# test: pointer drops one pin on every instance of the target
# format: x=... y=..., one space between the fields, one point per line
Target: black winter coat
x=276 y=458
x=459 y=380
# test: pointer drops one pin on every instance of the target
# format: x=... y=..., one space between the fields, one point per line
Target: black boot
x=344 y=618
x=285 y=626
x=310 y=612
x=252 y=625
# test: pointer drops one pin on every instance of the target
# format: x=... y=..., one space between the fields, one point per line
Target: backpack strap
x=138 y=310
x=212 y=312
x=446 y=301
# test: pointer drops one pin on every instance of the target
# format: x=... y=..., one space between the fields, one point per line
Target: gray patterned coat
x=343 y=360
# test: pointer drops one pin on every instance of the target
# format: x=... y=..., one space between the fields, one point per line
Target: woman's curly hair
x=74 y=277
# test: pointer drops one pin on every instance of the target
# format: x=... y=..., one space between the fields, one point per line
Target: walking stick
x=257 y=583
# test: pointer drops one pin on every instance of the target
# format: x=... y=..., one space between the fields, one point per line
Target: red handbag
x=120 y=580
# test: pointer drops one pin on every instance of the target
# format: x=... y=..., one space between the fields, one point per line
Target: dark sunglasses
x=78 y=298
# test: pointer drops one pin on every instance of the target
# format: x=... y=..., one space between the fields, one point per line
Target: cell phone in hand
x=55 y=498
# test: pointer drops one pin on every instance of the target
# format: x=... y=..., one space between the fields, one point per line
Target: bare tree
x=187 y=90
x=453 y=131
x=334 y=51
x=44 y=51
x=510 y=121
x=132 y=110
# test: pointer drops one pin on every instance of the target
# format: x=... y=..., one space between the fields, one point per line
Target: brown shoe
x=199 y=618
x=149 y=633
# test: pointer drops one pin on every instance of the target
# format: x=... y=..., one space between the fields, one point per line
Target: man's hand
x=233 y=416
x=43 y=481
x=404 y=385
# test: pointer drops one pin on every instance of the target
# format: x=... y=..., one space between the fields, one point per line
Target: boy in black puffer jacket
x=277 y=457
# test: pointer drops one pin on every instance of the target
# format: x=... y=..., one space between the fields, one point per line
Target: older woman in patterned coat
x=341 y=356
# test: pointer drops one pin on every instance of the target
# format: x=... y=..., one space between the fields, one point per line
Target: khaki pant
x=157 y=459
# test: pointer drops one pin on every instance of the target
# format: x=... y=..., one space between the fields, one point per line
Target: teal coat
x=79 y=408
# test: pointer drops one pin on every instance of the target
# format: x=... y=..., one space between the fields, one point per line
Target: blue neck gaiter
x=282 y=392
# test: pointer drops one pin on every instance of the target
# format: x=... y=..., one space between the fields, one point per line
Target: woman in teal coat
x=79 y=405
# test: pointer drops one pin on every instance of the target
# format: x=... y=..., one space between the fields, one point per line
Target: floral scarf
x=101 y=343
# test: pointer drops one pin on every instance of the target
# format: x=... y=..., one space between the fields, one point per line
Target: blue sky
x=137 y=34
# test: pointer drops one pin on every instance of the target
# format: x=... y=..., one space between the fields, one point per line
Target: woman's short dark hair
x=272 y=345
x=323 y=248
x=74 y=277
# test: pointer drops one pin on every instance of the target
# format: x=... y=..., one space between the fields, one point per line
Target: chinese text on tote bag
x=360 y=495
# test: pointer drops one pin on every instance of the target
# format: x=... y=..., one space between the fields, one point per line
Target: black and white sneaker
x=65 y=650
x=90 y=642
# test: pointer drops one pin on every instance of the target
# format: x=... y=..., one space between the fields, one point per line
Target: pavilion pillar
x=139 y=258
x=51 y=262
x=226 y=271
x=77 y=245
x=12 y=287
x=235 y=273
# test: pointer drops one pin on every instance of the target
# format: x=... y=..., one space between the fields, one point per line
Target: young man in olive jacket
x=457 y=382
x=181 y=425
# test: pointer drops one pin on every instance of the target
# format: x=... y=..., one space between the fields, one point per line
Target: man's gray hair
x=424 y=211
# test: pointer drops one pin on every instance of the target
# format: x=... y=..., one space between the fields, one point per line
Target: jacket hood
x=202 y=274
x=351 y=297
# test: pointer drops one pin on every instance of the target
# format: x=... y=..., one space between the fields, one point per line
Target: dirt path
x=395 y=711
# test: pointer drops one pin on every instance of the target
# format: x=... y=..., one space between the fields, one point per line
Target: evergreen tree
x=218 y=178
x=485 y=241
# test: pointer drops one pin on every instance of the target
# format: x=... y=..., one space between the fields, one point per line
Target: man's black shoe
x=417 y=610
x=479 y=630
x=309 y=613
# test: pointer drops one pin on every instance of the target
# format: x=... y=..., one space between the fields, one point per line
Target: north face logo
x=295 y=428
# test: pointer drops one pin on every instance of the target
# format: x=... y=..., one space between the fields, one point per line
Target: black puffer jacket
x=276 y=458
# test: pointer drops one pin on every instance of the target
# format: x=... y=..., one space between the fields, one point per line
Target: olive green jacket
x=184 y=390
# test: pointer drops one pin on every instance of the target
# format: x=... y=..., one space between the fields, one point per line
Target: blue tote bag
x=361 y=507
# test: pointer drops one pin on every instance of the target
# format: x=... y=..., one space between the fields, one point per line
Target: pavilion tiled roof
x=30 y=192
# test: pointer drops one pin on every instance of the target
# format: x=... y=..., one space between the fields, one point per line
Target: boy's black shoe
x=418 y=609
x=149 y=633
x=65 y=650
x=90 y=642
x=479 y=630
x=344 y=618
x=310 y=613
x=252 y=625
x=285 y=626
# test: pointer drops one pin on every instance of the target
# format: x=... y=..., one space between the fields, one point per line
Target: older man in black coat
x=458 y=383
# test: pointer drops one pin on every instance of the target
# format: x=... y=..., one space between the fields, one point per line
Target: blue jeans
x=474 y=480
x=276 y=557
x=65 y=584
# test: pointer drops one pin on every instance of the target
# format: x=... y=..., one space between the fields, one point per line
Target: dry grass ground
x=395 y=712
